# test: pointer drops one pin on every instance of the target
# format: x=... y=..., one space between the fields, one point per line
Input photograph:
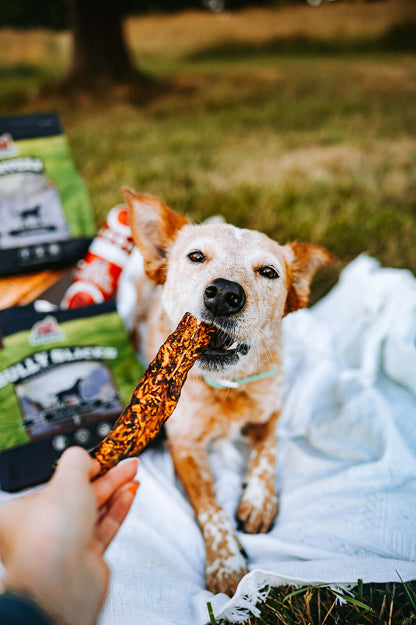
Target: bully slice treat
x=155 y=397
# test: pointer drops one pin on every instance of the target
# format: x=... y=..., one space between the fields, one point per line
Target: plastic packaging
x=97 y=275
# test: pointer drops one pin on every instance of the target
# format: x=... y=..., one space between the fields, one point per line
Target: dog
x=243 y=283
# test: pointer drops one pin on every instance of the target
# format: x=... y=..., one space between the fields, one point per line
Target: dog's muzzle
x=223 y=299
x=223 y=350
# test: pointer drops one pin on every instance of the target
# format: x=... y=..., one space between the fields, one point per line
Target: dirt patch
x=33 y=47
x=323 y=163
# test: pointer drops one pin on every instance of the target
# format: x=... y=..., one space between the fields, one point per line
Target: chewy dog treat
x=155 y=397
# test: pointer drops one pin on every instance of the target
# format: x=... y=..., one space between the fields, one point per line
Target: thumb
x=71 y=495
x=71 y=483
x=76 y=464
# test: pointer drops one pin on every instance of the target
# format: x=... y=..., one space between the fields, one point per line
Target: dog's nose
x=223 y=297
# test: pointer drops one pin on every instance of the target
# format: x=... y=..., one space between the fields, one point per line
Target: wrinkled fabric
x=346 y=469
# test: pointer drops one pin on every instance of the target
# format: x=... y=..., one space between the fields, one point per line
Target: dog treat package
x=65 y=377
x=97 y=275
x=45 y=215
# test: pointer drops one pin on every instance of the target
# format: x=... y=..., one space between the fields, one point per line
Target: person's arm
x=52 y=542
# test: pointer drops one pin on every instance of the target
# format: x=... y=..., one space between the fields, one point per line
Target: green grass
x=367 y=604
x=314 y=149
x=310 y=147
x=308 y=138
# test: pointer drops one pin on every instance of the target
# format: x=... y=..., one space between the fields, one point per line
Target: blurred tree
x=99 y=53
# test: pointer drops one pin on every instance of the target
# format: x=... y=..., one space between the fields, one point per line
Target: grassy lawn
x=368 y=604
x=296 y=121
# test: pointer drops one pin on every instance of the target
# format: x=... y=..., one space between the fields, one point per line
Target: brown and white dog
x=243 y=283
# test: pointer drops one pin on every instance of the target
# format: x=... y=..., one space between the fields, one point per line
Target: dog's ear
x=303 y=260
x=154 y=226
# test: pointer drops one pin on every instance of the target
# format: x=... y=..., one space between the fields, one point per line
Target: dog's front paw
x=225 y=571
x=225 y=563
x=257 y=509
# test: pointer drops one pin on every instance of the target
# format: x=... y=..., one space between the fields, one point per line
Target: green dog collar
x=216 y=383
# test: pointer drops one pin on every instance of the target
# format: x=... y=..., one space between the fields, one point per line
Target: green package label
x=45 y=215
x=63 y=374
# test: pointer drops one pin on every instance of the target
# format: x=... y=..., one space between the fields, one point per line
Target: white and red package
x=97 y=275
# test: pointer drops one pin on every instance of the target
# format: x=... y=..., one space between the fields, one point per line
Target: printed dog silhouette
x=70 y=393
x=31 y=215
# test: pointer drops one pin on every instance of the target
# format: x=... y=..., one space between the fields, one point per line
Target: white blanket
x=346 y=469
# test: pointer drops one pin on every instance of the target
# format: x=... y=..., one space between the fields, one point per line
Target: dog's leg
x=225 y=561
x=258 y=506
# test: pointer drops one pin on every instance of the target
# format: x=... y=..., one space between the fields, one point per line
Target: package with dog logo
x=45 y=215
x=65 y=376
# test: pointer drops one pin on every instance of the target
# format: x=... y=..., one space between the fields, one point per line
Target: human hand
x=52 y=542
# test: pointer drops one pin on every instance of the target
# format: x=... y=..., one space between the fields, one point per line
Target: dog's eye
x=196 y=257
x=268 y=272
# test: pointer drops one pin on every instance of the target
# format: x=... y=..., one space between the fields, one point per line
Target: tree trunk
x=99 y=54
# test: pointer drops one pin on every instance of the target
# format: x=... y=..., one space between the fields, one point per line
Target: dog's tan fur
x=205 y=414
